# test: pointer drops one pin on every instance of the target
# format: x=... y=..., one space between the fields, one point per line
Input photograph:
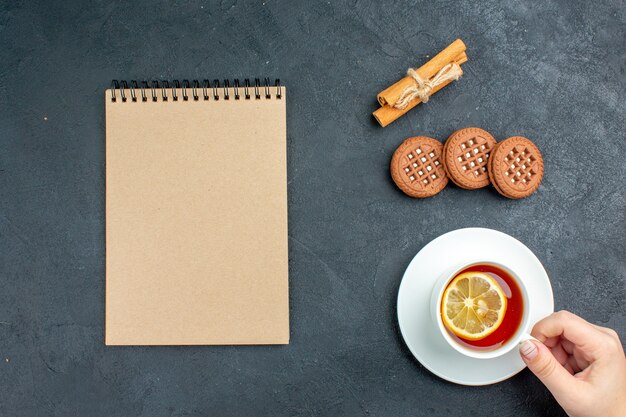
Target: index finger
x=573 y=328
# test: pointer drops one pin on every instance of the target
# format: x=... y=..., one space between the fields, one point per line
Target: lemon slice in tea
x=473 y=305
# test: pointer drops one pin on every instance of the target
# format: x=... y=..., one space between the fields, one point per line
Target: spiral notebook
x=196 y=213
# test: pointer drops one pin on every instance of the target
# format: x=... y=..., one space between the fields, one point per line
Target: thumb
x=544 y=365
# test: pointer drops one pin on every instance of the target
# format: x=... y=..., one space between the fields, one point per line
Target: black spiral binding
x=199 y=91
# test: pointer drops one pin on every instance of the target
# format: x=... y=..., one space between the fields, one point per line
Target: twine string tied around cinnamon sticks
x=423 y=88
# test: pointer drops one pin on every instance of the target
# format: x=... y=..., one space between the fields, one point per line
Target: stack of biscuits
x=472 y=159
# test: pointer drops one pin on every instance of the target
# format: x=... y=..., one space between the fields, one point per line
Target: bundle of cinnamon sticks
x=390 y=98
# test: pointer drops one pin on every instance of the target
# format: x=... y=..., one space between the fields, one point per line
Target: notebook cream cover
x=196 y=219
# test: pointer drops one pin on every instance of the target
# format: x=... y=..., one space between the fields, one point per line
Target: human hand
x=583 y=365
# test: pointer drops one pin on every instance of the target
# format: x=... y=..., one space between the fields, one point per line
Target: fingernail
x=528 y=349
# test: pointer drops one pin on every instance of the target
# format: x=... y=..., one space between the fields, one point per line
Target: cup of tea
x=482 y=309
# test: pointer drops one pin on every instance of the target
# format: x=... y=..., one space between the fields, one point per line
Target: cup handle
x=527 y=336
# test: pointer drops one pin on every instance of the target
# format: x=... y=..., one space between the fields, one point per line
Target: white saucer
x=420 y=332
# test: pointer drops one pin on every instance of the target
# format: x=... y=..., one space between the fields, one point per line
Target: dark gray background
x=553 y=71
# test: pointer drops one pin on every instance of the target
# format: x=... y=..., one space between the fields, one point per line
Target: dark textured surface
x=552 y=71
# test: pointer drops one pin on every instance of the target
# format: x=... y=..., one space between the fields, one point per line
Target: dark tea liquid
x=512 y=316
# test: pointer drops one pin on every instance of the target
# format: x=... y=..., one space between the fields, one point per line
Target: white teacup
x=520 y=335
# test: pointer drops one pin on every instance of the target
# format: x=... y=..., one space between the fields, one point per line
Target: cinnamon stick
x=456 y=49
x=461 y=59
x=387 y=114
